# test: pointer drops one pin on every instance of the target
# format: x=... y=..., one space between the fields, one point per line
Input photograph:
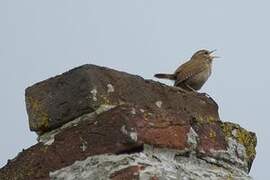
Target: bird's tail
x=165 y=76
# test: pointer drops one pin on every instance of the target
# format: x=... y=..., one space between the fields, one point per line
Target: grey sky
x=40 y=39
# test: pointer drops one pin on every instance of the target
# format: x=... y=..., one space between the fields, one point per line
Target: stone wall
x=98 y=123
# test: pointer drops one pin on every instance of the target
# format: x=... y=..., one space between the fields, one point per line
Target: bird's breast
x=197 y=81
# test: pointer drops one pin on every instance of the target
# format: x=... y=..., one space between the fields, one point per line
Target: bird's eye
x=206 y=52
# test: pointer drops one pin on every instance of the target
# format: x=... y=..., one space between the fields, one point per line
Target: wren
x=192 y=75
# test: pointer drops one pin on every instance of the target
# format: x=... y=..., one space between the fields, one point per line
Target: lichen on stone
x=207 y=119
x=212 y=134
x=161 y=163
x=105 y=100
x=110 y=88
x=192 y=137
x=94 y=94
x=35 y=106
x=132 y=134
x=159 y=104
x=242 y=136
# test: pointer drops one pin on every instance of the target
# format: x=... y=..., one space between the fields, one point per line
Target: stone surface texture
x=98 y=123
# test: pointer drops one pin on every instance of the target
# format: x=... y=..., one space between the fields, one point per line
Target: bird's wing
x=188 y=70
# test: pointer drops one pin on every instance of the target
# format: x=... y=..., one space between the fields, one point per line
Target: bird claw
x=179 y=89
x=206 y=95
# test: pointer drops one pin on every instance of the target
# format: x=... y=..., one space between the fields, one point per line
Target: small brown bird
x=194 y=73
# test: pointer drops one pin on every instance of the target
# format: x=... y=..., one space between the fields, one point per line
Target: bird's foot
x=180 y=89
x=206 y=95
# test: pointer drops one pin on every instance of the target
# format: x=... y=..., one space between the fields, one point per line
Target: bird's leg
x=179 y=89
x=190 y=88
x=206 y=95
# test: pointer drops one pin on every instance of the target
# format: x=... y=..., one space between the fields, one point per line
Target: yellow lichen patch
x=32 y=104
x=230 y=177
x=210 y=119
x=145 y=116
x=212 y=134
x=38 y=114
x=105 y=100
x=44 y=121
x=207 y=119
x=242 y=136
x=249 y=141
x=200 y=119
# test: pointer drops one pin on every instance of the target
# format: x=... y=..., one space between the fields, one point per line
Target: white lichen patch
x=103 y=108
x=164 y=164
x=132 y=134
x=159 y=104
x=48 y=138
x=83 y=145
x=123 y=130
x=235 y=153
x=49 y=142
x=234 y=132
x=192 y=137
x=133 y=111
x=94 y=94
x=236 y=149
x=110 y=88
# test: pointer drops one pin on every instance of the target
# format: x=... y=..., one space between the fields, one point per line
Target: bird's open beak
x=212 y=51
x=213 y=56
